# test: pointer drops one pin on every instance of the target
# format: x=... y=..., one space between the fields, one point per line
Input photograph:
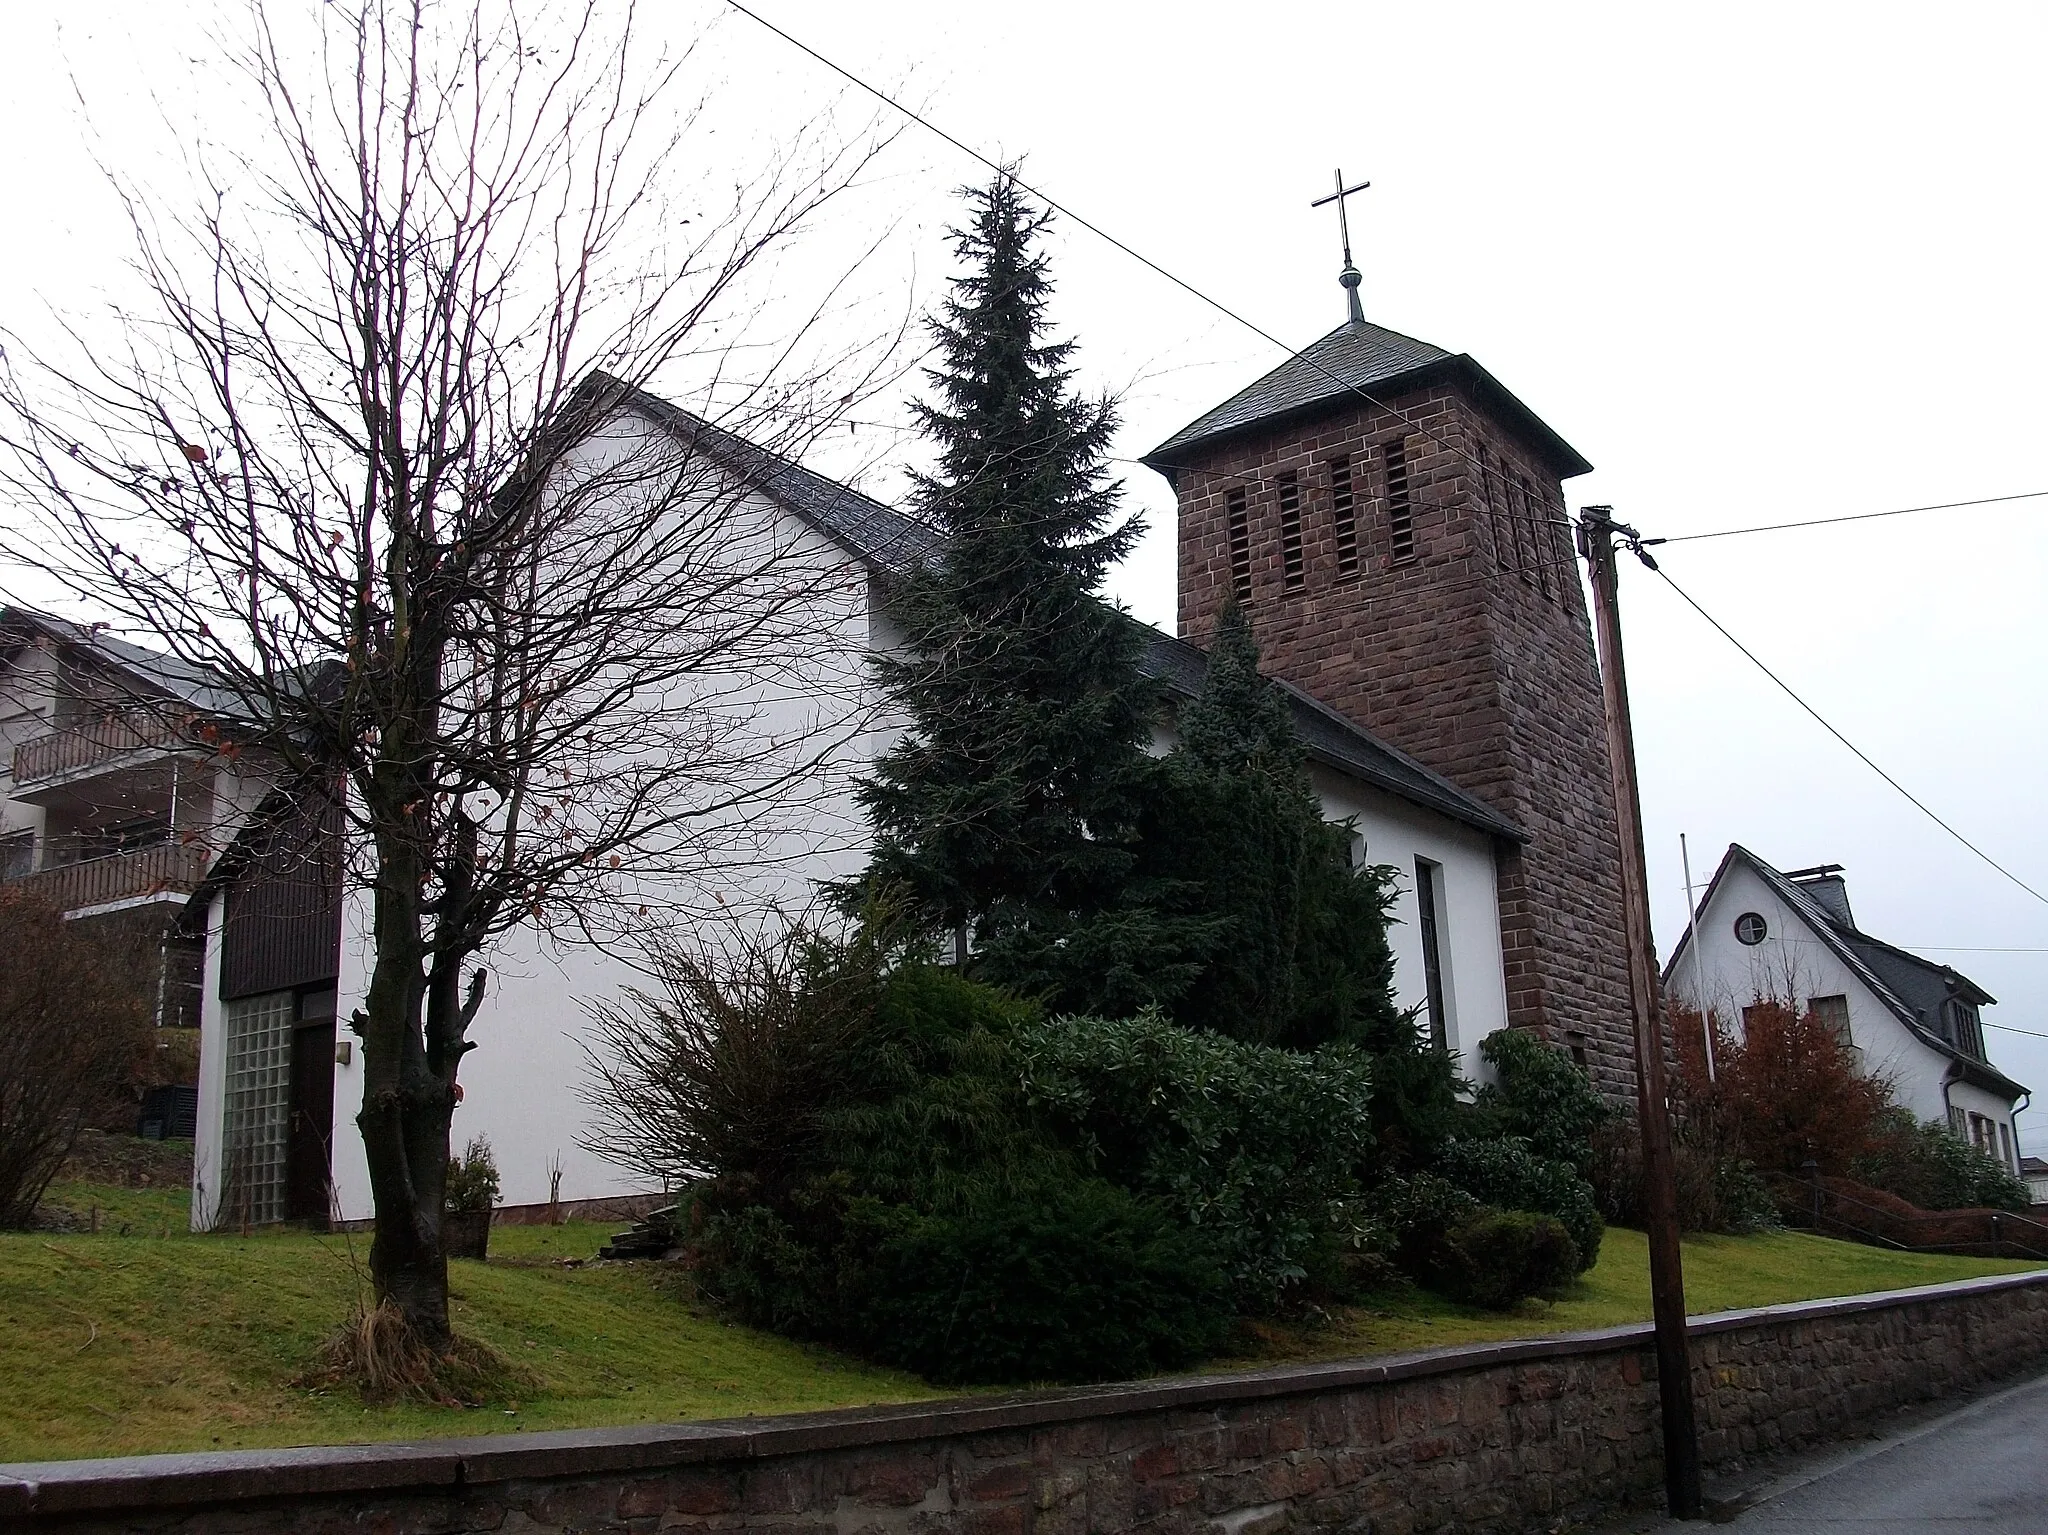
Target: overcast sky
x=1759 y=263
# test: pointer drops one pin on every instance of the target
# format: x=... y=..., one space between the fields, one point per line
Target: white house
x=287 y=957
x=1763 y=935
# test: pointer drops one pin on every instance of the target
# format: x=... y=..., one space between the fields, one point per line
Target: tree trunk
x=407 y=1109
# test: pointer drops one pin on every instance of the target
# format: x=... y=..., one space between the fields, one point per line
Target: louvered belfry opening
x=1400 y=505
x=1290 y=530
x=1240 y=545
x=1344 y=513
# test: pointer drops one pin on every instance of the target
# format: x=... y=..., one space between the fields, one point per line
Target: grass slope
x=154 y=1339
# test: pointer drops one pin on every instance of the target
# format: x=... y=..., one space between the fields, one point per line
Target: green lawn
x=142 y=1337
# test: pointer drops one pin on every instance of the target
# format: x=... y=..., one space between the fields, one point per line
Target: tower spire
x=1349 y=277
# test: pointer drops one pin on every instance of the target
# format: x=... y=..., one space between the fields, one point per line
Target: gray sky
x=1759 y=263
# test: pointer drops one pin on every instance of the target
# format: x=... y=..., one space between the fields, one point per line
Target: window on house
x=1400 y=507
x=1290 y=529
x=1344 y=508
x=1965 y=1027
x=17 y=855
x=1534 y=513
x=1239 y=521
x=1833 y=1012
x=1955 y=1122
x=1429 y=918
x=256 y=1112
x=2005 y=1147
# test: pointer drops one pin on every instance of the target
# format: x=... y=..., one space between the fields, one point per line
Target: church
x=1390 y=519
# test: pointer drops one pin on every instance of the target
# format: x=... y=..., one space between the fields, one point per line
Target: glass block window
x=258 y=1108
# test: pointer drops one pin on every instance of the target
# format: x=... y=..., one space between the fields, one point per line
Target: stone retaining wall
x=1504 y=1437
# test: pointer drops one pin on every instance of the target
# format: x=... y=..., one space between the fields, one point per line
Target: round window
x=1750 y=928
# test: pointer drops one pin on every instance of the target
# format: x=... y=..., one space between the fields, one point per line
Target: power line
x=1961 y=948
x=1862 y=755
x=1823 y=522
x=2009 y=1029
x=1102 y=234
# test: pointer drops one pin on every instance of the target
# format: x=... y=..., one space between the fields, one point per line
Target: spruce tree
x=1008 y=811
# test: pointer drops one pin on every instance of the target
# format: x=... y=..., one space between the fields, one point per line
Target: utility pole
x=1597 y=534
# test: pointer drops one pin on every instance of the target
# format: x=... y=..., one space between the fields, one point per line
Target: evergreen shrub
x=1255 y=1148
x=1498 y=1257
x=1506 y=1173
x=1084 y=1281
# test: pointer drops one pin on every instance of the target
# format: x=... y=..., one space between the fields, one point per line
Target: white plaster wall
x=524 y=1086
x=206 y=1140
x=1397 y=832
x=1792 y=963
x=27 y=701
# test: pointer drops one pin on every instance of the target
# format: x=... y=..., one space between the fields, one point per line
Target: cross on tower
x=1349 y=276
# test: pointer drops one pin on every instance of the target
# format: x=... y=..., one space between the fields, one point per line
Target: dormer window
x=1965 y=1028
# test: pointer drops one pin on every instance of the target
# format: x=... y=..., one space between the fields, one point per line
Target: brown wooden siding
x=283 y=924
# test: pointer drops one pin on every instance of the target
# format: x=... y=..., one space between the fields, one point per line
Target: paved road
x=1981 y=1469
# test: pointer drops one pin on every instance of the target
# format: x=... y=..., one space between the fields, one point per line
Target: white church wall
x=524 y=1085
x=1398 y=833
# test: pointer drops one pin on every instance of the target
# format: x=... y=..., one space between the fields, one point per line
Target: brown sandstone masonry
x=1496 y=1438
x=1475 y=656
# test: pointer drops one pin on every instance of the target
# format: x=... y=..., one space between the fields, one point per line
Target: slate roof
x=891 y=542
x=1359 y=355
x=158 y=674
x=1911 y=987
x=879 y=535
x=1336 y=741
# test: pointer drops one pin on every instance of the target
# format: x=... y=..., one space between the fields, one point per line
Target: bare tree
x=364 y=457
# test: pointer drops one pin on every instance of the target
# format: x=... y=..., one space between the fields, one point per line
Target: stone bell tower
x=1392 y=521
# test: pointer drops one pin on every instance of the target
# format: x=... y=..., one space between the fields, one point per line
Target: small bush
x=472 y=1186
x=1498 y=1257
x=1251 y=1146
x=1506 y=1173
x=1084 y=1283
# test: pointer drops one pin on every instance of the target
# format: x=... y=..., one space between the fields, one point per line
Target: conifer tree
x=1299 y=954
x=1008 y=812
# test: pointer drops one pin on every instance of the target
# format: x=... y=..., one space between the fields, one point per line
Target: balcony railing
x=86 y=743
x=168 y=868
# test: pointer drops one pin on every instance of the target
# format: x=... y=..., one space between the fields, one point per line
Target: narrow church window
x=1400 y=509
x=1344 y=505
x=1533 y=510
x=1432 y=951
x=1290 y=527
x=1240 y=545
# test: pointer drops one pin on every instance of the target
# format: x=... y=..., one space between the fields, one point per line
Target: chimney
x=1824 y=886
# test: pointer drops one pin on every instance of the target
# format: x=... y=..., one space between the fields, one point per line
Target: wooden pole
x=1597 y=531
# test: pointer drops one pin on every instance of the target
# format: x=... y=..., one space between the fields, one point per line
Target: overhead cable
x=1863 y=756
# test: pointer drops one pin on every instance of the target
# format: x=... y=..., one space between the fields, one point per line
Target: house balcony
x=50 y=764
x=167 y=869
